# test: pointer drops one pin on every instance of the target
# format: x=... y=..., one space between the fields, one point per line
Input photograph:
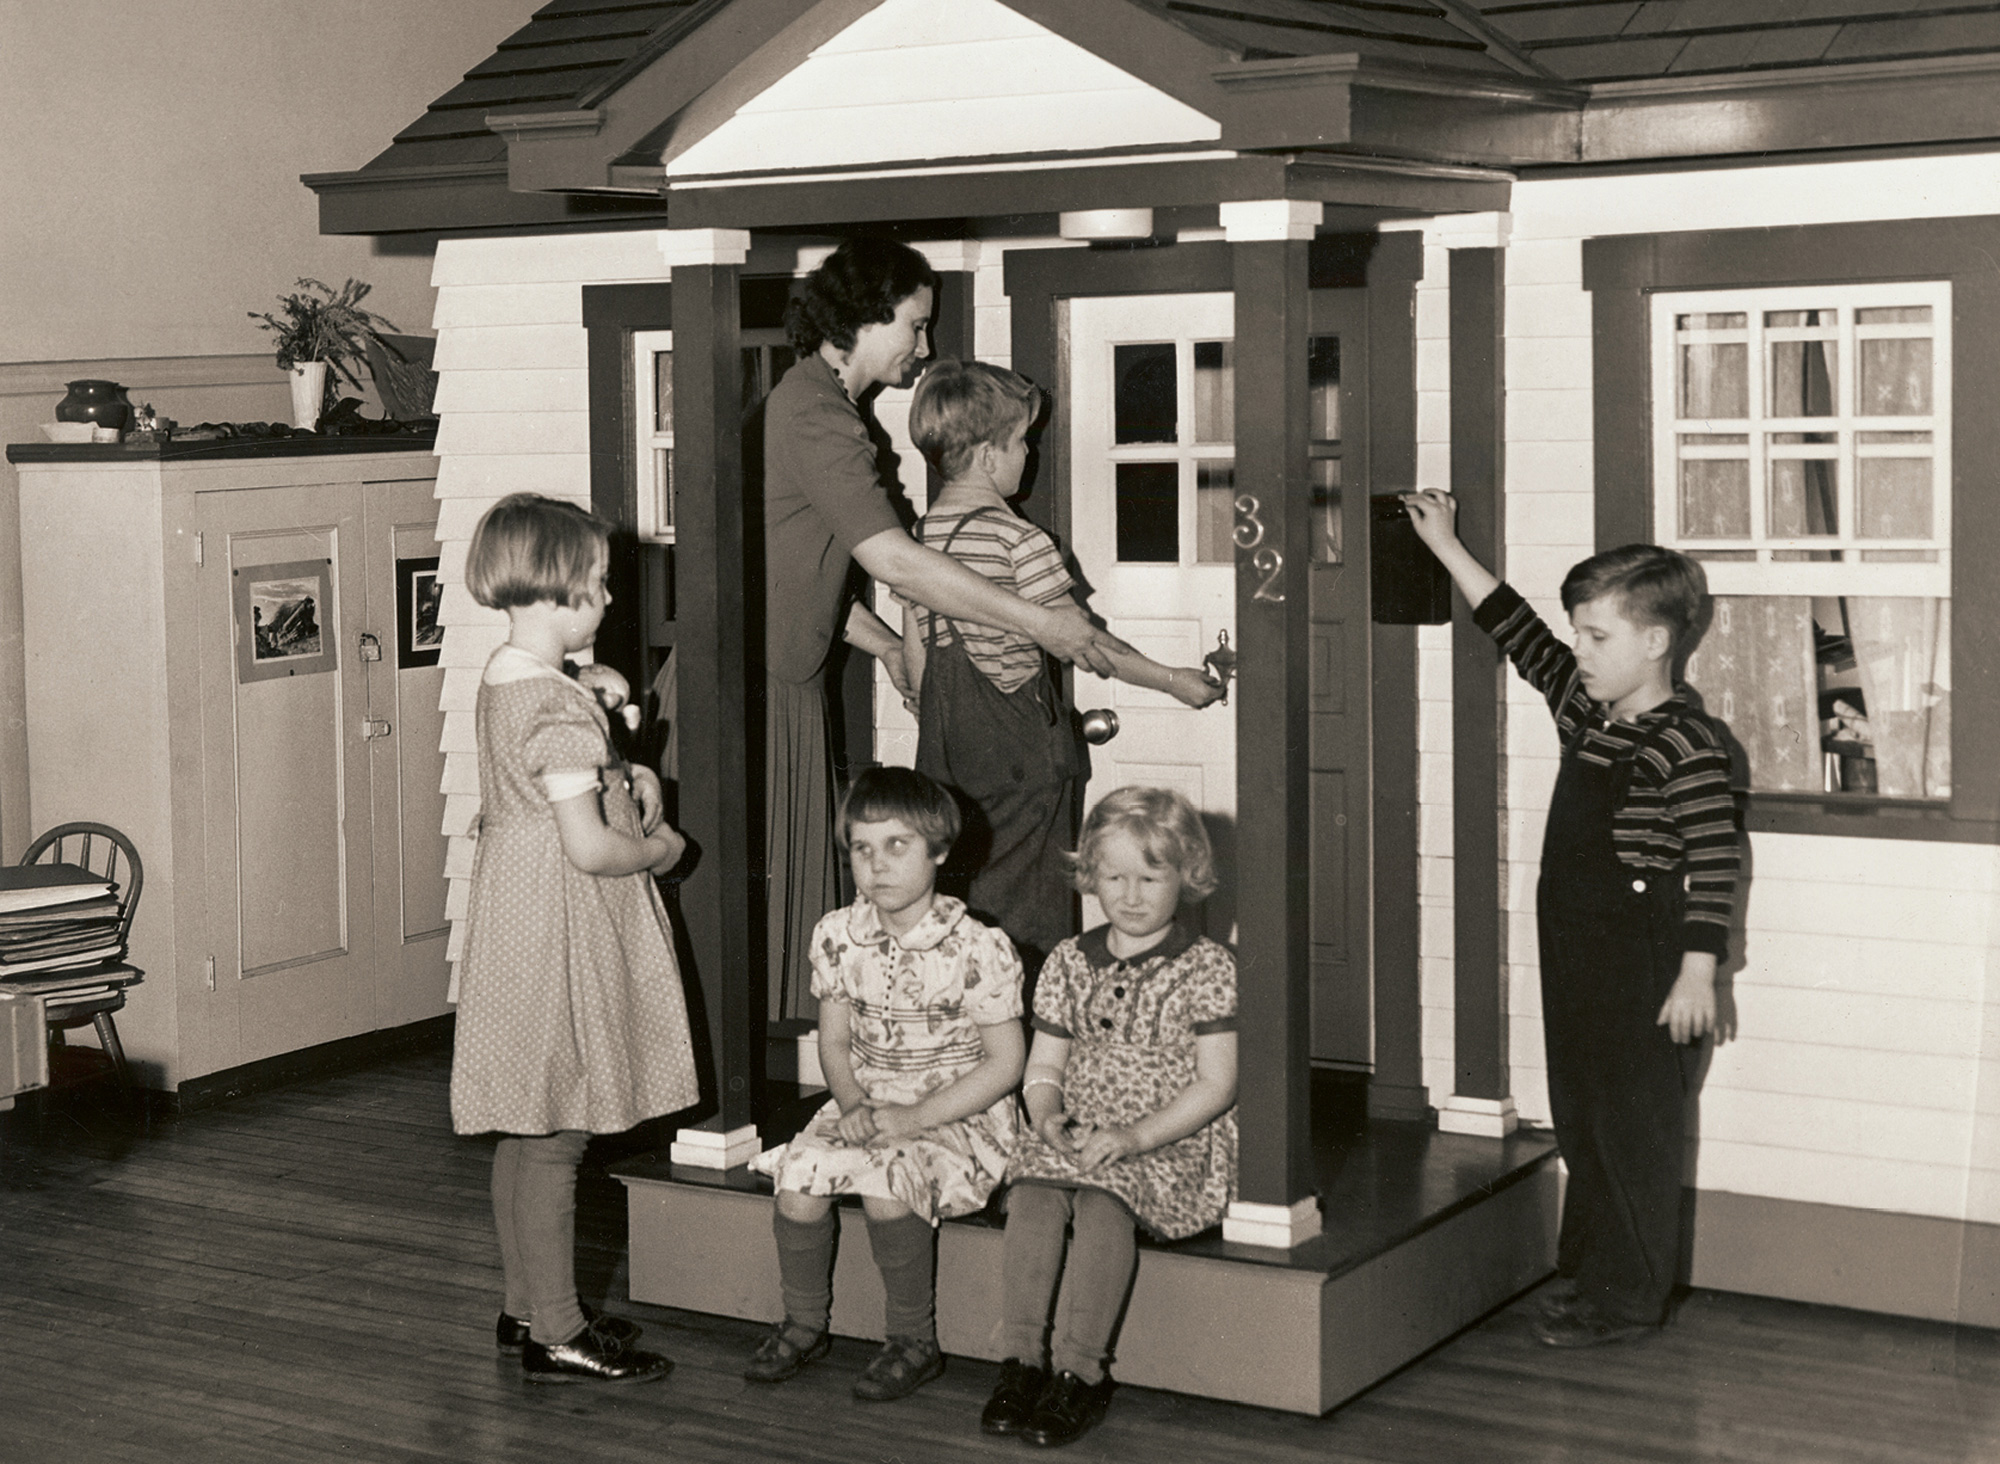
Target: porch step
x=1425 y=1233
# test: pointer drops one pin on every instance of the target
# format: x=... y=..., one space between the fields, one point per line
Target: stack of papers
x=54 y=917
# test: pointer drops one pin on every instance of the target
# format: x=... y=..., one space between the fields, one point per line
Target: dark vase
x=102 y=402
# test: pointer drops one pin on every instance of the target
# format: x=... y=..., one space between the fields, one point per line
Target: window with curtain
x=653 y=422
x=1802 y=453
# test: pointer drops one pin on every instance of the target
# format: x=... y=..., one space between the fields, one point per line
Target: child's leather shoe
x=785 y=1349
x=1014 y=1397
x=510 y=1333
x=593 y=1355
x=1583 y=1325
x=903 y=1365
x=1068 y=1408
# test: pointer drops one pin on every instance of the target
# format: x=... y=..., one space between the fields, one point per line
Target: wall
x=1864 y=1079
x=151 y=199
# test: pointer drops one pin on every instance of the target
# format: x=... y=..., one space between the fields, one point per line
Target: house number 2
x=1269 y=562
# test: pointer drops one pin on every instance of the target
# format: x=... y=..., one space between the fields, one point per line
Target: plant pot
x=308 y=392
x=101 y=403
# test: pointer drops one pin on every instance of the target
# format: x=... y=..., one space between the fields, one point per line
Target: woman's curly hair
x=861 y=283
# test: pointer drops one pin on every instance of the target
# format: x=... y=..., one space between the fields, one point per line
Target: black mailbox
x=1408 y=585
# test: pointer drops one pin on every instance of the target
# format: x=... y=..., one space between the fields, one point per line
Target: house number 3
x=1249 y=534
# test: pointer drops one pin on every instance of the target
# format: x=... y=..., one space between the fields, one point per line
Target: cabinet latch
x=372 y=729
x=371 y=648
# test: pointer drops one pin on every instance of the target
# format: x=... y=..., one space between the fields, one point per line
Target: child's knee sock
x=805 y=1267
x=545 y=1230
x=506 y=1174
x=1103 y=1253
x=1031 y=1268
x=906 y=1254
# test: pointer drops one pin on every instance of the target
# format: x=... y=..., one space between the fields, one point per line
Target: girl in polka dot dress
x=571 y=1019
x=1131 y=1097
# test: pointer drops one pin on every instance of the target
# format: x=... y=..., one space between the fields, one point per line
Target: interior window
x=1802 y=453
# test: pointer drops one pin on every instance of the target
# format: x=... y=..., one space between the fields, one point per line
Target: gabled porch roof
x=598 y=110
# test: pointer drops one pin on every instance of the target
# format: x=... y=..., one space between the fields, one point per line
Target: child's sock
x=805 y=1267
x=1031 y=1268
x=1103 y=1253
x=906 y=1254
x=506 y=1174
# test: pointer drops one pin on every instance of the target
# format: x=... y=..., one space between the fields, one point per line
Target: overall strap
x=933 y=616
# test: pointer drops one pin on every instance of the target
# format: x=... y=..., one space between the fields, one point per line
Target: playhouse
x=1715 y=276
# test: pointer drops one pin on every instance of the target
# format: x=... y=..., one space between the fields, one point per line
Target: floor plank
x=310 y=1275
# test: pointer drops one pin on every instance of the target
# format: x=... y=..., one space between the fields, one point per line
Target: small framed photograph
x=419 y=637
x=284 y=615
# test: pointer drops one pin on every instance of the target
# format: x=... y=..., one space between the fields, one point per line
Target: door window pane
x=1215 y=391
x=1214 y=510
x=1323 y=388
x=1144 y=394
x=1328 y=533
x=1149 y=512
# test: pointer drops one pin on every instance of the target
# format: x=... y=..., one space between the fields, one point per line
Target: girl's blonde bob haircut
x=529 y=548
x=1163 y=824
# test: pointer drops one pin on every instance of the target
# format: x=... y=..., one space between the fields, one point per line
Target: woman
x=862 y=322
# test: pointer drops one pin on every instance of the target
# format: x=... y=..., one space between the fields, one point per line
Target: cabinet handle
x=372 y=729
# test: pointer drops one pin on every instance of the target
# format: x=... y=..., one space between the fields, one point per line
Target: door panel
x=406 y=769
x=1151 y=421
x=1339 y=684
x=287 y=790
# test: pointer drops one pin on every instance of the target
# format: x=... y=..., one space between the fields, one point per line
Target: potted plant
x=321 y=332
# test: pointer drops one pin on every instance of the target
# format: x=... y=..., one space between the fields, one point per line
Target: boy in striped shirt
x=993 y=724
x=1638 y=883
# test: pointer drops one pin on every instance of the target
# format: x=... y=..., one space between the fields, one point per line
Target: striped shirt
x=1014 y=554
x=1678 y=812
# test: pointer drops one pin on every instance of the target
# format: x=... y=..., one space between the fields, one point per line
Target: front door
x=1152 y=420
x=1155 y=524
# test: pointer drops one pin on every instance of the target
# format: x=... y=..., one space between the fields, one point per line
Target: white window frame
x=1852 y=574
x=655 y=508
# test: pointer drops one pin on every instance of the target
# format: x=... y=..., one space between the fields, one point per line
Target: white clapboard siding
x=922 y=79
x=513 y=303
x=513 y=403
x=1866 y=1066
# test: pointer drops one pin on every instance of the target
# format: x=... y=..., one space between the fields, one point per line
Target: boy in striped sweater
x=1638 y=882
x=993 y=723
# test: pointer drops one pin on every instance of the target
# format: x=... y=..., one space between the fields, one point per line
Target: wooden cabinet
x=228 y=658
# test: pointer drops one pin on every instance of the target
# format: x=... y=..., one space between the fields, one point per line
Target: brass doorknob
x=1099 y=726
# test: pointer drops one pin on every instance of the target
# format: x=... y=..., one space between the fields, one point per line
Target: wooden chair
x=108 y=853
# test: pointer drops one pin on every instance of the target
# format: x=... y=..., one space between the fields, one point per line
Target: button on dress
x=571 y=1013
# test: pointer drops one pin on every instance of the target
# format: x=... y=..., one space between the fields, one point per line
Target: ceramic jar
x=100 y=402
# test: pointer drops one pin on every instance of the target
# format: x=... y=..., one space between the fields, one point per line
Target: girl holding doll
x=571 y=1018
x=1130 y=1091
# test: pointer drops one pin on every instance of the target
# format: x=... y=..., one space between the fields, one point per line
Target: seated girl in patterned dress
x=1131 y=1094
x=920 y=1040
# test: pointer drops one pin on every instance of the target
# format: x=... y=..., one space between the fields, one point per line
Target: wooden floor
x=310 y=1275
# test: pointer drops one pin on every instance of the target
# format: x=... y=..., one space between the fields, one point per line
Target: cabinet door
x=286 y=786
x=406 y=767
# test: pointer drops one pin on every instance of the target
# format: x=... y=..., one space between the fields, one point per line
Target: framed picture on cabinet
x=281 y=620
x=419 y=637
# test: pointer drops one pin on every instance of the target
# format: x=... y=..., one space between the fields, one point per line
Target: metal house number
x=1269 y=562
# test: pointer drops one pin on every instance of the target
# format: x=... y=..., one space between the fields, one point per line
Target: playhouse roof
x=580 y=106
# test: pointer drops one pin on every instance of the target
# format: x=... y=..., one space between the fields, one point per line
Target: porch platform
x=1424 y=1234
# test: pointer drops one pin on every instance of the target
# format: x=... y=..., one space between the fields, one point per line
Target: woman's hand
x=895 y=1122
x=1105 y=1146
x=1069 y=636
x=857 y=1125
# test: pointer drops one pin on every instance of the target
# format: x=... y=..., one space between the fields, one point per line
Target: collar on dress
x=1096 y=947
x=864 y=924
x=509 y=663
